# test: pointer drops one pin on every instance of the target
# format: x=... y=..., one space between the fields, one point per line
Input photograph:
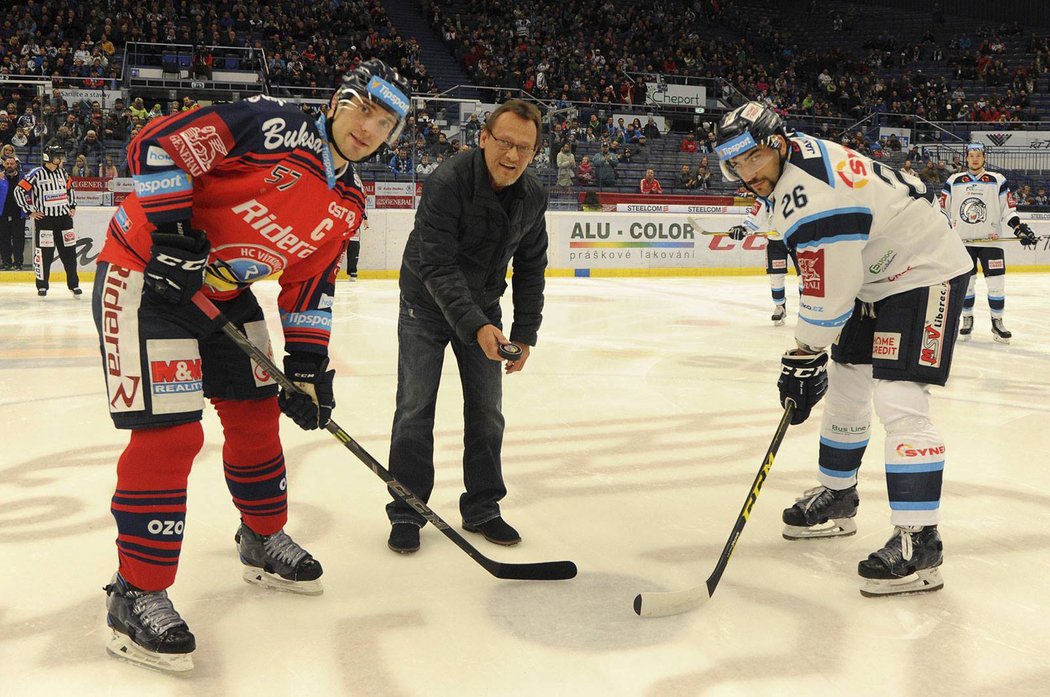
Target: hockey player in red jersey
x=224 y=196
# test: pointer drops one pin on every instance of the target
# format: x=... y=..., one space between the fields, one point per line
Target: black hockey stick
x=541 y=571
x=657 y=604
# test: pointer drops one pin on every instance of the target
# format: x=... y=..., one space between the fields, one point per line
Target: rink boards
x=584 y=244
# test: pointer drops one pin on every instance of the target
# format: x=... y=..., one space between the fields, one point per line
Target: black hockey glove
x=804 y=380
x=178 y=259
x=311 y=408
x=737 y=232
x=1025 y=234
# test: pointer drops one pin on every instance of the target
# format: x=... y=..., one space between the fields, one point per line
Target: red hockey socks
x=253 y=462
x=149 y=504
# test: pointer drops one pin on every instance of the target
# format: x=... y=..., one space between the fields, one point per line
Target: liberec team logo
x=973 y=211
x=241 y=264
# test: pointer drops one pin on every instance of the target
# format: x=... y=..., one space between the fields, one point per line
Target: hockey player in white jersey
x=980 y=206
x=757 y=221
x=883 y=283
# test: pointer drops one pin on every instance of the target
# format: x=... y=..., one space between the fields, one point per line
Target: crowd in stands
x=580 y=53
x=550 y=49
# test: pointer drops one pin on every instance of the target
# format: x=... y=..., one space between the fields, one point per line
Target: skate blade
x=263 y=578
x=925 y=581
x=778 y=323
x=836 y=527
x=121 y=646
x=1000 y=339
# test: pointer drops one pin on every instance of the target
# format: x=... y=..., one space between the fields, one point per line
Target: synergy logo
x=905 y=450
x=176 y=377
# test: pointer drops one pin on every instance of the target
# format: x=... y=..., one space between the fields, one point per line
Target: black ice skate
x=967 y=325
x=907 y=564
x=822 y=512
x=779 y=313
x=146 y=628
x=999 y=332
x=276 y=561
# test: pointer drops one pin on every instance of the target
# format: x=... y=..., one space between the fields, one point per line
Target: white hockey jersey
x=860 y=230
x=757 y=218
x=978 y=206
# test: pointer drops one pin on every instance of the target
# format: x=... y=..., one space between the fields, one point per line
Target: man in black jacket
x=12 y=217
x=479 y=212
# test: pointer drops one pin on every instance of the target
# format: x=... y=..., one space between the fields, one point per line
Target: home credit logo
x=811 y=265
x=176 y=377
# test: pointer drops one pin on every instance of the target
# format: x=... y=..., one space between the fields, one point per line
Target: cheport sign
x=667 y=94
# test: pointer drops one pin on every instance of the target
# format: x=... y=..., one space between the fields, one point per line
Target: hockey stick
x=725 y=233
x=1003 y=239
x=541 y=571
x=750 y=234
x=657 y=604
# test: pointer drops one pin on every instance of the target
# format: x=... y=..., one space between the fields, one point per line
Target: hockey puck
x=511 y=352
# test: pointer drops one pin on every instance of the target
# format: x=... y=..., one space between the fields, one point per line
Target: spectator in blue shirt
x=400 y=163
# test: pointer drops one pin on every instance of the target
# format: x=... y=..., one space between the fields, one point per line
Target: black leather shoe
x=496 y=531
x=404 y=538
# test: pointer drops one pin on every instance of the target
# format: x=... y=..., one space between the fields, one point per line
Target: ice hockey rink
x=633 y=437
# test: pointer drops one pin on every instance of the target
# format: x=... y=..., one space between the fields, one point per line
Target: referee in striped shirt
x=46 y=194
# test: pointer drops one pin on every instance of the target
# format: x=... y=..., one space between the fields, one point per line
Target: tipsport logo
x=389 y=95
x=732 y=148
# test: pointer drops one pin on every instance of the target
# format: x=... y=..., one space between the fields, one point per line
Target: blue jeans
x=422 y=336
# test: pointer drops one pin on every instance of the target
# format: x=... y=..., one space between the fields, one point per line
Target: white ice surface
x=633 y=436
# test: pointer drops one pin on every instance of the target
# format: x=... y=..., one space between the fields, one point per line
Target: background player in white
x=757 y=220
x=883 y=282
x=980 y=206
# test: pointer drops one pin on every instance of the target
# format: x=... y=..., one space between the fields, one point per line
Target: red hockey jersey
x=257 y=177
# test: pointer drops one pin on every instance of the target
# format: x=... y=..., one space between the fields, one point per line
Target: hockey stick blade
x=662 y=604
x=698 y=227
x=990 y=240
x=540 y=571
x=657 y=604
x=725 y=233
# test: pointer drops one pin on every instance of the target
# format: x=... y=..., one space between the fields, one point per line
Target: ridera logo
x=905 y=450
